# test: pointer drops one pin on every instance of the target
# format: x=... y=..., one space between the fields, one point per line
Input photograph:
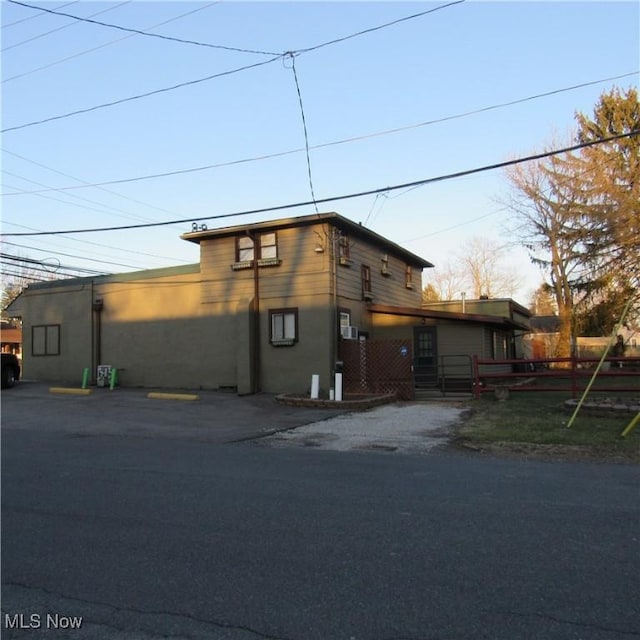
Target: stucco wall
x=70 y=308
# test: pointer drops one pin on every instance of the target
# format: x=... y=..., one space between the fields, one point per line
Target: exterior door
x=425 y=357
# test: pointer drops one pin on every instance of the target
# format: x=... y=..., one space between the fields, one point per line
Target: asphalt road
x=191 y=537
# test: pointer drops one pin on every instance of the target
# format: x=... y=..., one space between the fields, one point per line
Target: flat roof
x=126 y=276
x=331 y=217
x=421 y=312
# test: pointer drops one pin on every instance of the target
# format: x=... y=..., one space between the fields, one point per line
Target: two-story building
x=268 y=305
x=263 y=310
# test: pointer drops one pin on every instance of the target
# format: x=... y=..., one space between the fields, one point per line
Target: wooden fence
x=377 y=366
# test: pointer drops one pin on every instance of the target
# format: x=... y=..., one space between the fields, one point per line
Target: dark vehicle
x=10 y=370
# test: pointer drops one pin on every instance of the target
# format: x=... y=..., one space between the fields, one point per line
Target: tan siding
x=302 y=271
x=389 y=289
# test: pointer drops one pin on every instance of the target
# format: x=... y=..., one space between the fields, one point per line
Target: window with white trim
x=283 y=327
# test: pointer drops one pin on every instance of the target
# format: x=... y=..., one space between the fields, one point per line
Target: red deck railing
x=531 y=375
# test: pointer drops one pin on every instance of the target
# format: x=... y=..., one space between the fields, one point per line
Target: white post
x=338 y=387
x=315 y=386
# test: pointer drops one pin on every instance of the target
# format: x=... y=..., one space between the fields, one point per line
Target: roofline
x=146 y=274
x=515 y=306
x=447 y=315
x=331 y=217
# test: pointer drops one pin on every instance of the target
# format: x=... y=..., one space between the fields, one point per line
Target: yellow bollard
x=631 y=426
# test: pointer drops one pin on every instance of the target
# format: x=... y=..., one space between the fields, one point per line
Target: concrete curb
x=173 y=396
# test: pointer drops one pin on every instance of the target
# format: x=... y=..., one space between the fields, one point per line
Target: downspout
x=333 y=257
x=97 y=305
x=255 y=355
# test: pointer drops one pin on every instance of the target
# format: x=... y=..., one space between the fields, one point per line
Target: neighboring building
x=269 y=305
x=11 y=339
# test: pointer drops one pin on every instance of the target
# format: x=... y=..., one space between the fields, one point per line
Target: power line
x=13 y=274
x=442 y=178
x=142 y=95
x=567 y=180
x=66 y=26
x=95 y=244
x=84 y=182
x=367 y=136
x=42 y=263
x=28 y=18
x=120 y=213
x=140 y=32
x=382 y=26
x=106 y=44
x=218 y=75
x=304 y=128
x=68 y=255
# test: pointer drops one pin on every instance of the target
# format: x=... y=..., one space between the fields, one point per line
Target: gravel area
x=402 y=427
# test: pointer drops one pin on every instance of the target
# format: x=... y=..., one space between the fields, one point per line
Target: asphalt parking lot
x=214 y=417
x=226 y=418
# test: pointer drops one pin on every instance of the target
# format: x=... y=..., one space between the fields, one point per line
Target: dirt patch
x=526 y=450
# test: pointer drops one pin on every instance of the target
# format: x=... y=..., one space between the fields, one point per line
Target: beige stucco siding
x=155 y=332
x=70 y=308
x=288 y=369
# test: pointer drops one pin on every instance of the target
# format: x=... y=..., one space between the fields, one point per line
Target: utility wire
x=143 y=95
x=13 y=274
x=84 y=183
x=372 y=29
x=66 y=26
x=95 y=244
x=43 y=263
x=304 y=127
x=140 y=32
x=39 y=15
x=367 y=136
x=424 y=181
x=104 y=210
x=106 y=44
x=68 y=255
x=218 y=75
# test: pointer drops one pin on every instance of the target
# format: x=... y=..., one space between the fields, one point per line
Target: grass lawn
x=539 y=420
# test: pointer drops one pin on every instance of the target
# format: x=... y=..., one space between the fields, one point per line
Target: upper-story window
x=408 y=277
x=267 y=250
x=244 y=249
x=384 y=265
x=365 y=272
x=343 y=249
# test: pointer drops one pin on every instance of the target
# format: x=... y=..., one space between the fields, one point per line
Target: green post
x=112 y=378
x=85 y=377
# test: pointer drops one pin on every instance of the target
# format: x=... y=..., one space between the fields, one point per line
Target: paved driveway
x=215 y=417
x=222 y=417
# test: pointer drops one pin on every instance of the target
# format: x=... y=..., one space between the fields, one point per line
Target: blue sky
x=457 y=59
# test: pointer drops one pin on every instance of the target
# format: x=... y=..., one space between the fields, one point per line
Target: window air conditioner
x=349 y=333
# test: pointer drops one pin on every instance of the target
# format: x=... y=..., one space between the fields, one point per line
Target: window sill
x=248 y=264
x=385 y=272
x=283 y=343
x=345 y=262
x=368 y=297
x=269 y=262
x=409 y=285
